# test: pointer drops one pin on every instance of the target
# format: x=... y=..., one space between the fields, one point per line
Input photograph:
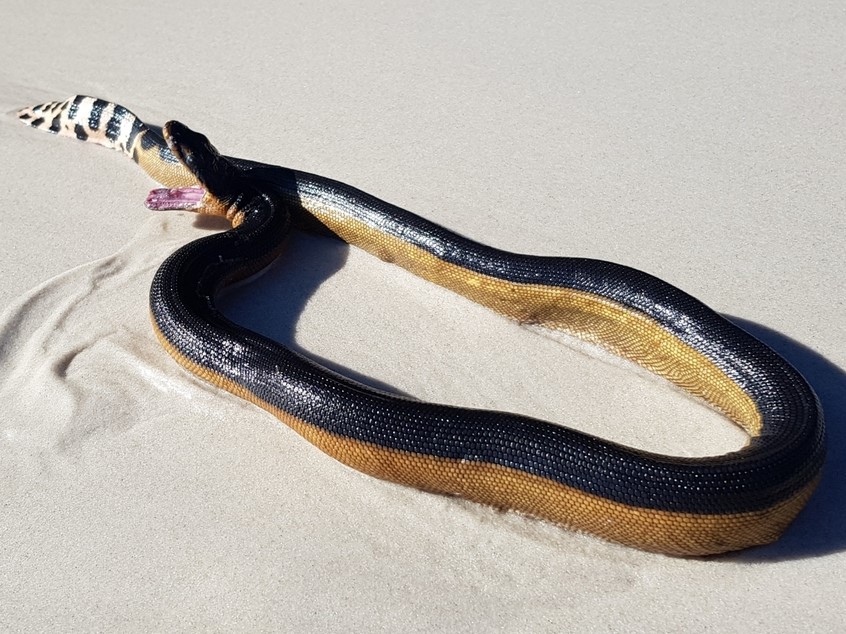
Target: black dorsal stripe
x=137 y=128
x=96 y=113
x=113 y=125
x=74 y=107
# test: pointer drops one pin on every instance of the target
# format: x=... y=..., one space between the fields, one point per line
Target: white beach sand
x=703 y=145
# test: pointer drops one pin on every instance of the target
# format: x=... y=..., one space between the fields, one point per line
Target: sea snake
x=673 y=505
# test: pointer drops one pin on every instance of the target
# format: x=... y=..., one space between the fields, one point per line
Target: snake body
x=673 y=505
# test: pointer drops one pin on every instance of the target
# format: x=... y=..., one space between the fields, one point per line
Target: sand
x=703 y=145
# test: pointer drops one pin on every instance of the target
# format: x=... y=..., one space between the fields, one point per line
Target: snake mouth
x=220 y=185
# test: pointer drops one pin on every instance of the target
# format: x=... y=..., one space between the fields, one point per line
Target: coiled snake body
x=674 y=505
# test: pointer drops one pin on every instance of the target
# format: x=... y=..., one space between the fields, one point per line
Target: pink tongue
x=179 y=198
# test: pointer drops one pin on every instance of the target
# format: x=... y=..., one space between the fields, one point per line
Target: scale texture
x=673 y=505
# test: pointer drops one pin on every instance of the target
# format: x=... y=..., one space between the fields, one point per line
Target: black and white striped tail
x=89 y=119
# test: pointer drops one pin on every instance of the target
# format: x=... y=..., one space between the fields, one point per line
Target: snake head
x=223 y=188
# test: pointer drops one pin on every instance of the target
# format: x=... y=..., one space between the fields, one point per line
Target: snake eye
x=187 y=157
x=215 y=173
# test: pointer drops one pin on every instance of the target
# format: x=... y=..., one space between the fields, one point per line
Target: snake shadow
x=271 y=303
x=819 y=529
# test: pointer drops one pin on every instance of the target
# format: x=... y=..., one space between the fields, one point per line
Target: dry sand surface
x=704 y=145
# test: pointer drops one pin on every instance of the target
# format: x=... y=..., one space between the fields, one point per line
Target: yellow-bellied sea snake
x=674 y=505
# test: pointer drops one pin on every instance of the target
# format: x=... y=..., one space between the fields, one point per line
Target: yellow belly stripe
x=659 y=531
x=626 y=333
